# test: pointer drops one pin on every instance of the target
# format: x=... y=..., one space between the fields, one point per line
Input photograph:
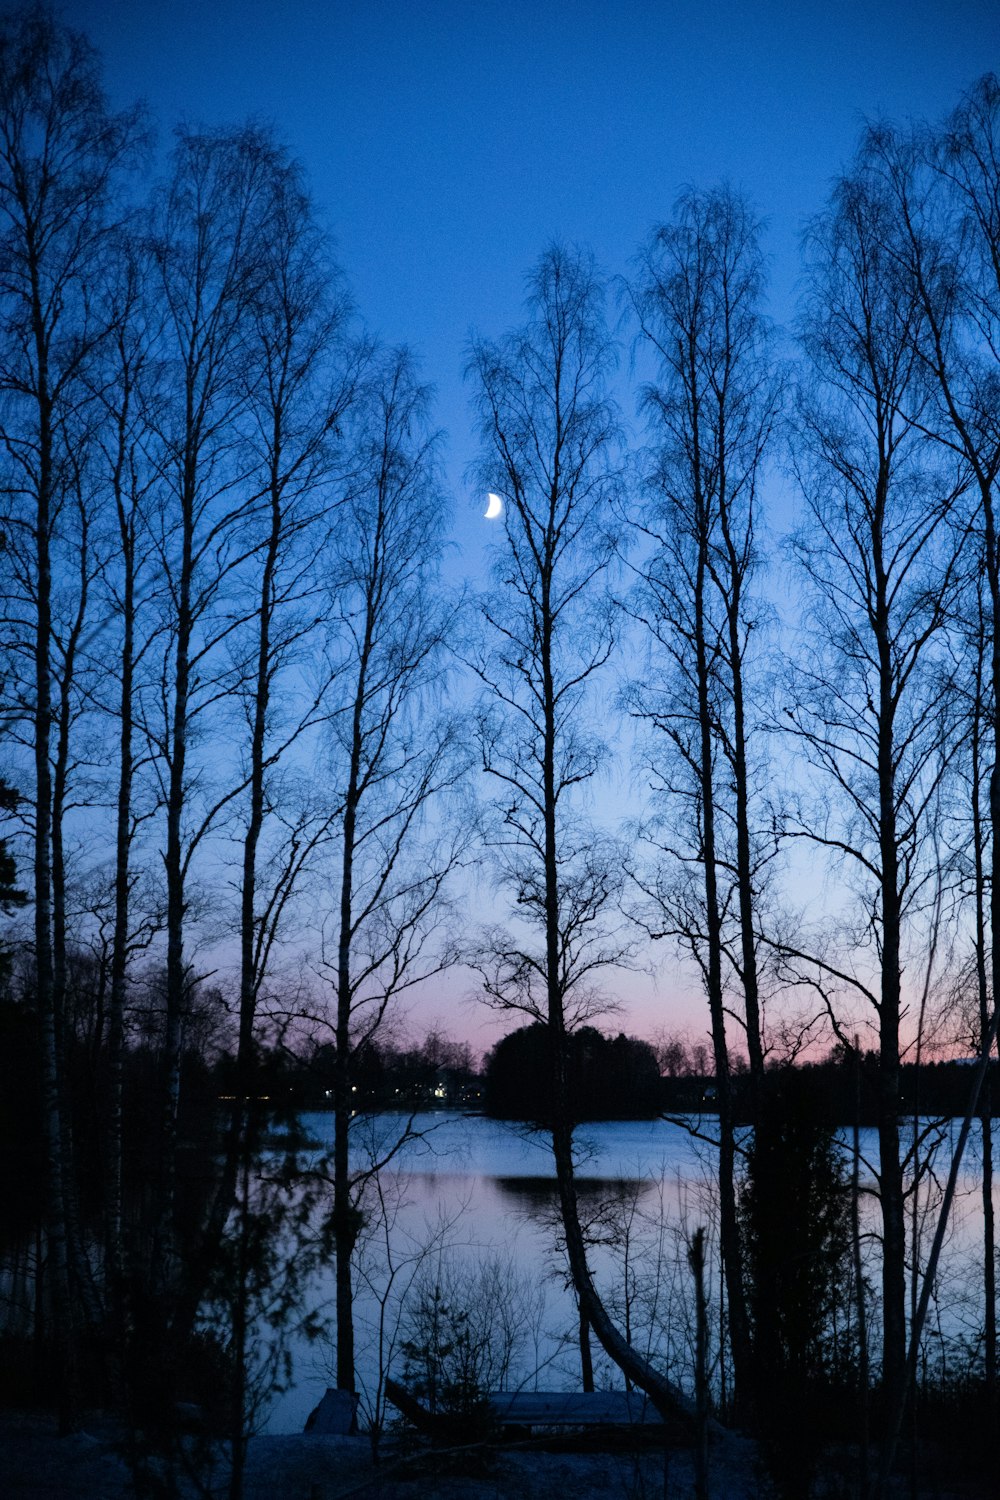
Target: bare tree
x=61 y=152
x=551 y=450
x=944 y=186
x=977 y=720
x=295 y=371
x=116 y=659
x=966 y=158
x=966 y=838
x=394 y=754
x=870 y=706
x=211 y=224
x=301 y=379
x=711 y=408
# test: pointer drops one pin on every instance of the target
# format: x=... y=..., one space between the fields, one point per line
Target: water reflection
x=538 y=1197
x=478 y=1190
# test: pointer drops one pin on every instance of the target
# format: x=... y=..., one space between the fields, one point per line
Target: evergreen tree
x=794 y=1207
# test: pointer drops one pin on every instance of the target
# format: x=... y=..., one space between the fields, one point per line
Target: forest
x=257 y=743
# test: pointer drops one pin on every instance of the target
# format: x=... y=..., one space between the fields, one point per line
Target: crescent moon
x=494 y=508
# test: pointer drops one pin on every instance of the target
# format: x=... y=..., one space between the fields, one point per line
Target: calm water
x=471 y=1205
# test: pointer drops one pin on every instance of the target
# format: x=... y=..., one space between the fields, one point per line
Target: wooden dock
x=600 y=1416
x=561 y=1409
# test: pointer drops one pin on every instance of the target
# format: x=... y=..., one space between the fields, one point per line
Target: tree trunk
x=586 y=1357
x=979 y=720
x=696 y=1260
x=664 y=1395
x=58 y=1257
x=249 y=977
x=165 y=1266
x=114 y=1242
x=890 y=1166
x=729 y=1235
x=345 y=1223
x=859 y=1279
x=741 y=788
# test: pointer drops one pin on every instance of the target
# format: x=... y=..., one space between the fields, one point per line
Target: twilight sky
x=447 y=141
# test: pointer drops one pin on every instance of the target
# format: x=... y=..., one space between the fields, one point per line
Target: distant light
x=494 y=507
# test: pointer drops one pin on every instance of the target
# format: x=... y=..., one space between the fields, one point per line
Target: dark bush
x=795 y=1221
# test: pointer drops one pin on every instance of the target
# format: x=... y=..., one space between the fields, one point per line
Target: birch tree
x=211 y=224
x=944 y=187
x=117 y=659
x=711 y=408
x=303 y=373
x=550 y=440
x=61 y=154
x=394 y=754
x=870 y=708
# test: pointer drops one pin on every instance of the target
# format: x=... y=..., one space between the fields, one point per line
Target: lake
x=469 y=1206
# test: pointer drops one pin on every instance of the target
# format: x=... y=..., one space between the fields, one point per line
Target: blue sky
x=446 y=143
